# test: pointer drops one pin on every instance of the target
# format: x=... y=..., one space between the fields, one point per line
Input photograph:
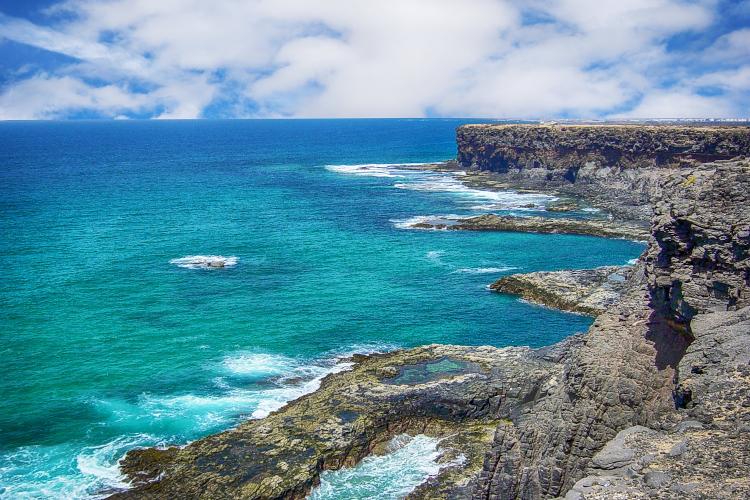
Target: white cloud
x=342 y=58
x=46 y=97
x=679 y=104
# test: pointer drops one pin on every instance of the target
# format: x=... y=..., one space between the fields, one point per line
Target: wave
x=258 y=364
x=205 y=261
x=246 y=384
x=410 y=222
x=373 y=169
x=61 y=471
x=484 y=270
x=500 y=200
x=409 y=462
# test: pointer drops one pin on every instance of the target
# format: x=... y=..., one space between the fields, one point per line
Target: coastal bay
x=653 y=365
x=109 y=269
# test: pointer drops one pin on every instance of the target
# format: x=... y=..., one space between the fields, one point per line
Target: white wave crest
x=484 y=270
x=62 y=471
x=372 y=169
x=205 y=261
x=501 y=200
x=444 y=220
x=258 y=364
x=409 y=462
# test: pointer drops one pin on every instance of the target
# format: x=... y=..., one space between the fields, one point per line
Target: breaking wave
x=409 y=462
x=485 y=270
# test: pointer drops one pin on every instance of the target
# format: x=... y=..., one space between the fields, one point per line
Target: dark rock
x=545 y=225
x=616 y=167
x=656 y=479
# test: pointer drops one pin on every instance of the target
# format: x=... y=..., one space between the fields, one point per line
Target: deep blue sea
x=113 y=334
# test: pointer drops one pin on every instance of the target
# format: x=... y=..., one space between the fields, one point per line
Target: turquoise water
x=107 y=345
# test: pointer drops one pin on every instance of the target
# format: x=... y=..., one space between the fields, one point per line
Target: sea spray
x=407 y=463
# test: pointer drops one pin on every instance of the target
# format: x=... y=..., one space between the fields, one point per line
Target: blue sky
x=367 y=58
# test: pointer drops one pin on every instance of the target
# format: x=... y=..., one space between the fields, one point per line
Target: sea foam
x=484 y=270
x=372 y=169
x=205 y=261
x=409 y=462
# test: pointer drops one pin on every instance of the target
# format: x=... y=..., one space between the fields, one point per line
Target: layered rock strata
x=545 y=225
x=615 y=167
x=585 y=291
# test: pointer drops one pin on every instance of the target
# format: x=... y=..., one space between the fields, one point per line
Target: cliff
x=653 y=401
x=615 y=167
x=680 y=329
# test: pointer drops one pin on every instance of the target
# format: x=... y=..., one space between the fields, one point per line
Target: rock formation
x=586 y=291
x=534 y=224
x=616 y=167
x=652 y=402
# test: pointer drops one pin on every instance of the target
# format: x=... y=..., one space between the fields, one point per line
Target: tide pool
x=119 y=329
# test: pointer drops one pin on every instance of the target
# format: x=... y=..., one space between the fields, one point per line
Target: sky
x=532 y=59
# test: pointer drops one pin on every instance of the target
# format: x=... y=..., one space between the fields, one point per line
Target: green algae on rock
x=459 y=393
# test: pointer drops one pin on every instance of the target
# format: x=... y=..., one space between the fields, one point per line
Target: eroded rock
x=546 y=225
x=586 y=291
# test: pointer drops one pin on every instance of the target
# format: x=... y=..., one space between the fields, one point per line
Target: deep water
x=107 y=345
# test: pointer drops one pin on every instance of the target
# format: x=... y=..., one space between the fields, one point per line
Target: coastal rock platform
x=457 y=393
x=585 y=291
x=546 y=225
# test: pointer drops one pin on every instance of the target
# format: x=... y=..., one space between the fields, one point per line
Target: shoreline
x=620 y=389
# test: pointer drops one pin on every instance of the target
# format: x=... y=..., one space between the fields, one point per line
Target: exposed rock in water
x=615 y=167
x=586 y=291
x=533 y=224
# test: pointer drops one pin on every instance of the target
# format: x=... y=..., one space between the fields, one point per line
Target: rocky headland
x=652 y=402
x=618 y=168
x=585 y=291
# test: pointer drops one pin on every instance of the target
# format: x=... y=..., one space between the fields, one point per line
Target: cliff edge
x=616 y=167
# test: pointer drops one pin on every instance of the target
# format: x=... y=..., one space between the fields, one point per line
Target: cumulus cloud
x=352 y=58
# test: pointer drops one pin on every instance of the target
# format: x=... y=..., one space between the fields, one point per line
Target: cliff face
x=617 y=167
x=675 y=348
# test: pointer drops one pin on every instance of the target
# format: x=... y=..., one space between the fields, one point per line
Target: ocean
x=118 y=331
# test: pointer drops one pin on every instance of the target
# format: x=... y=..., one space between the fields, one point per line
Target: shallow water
x=108 y=342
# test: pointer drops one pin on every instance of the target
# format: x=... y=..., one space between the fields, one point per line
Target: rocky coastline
x=618 y=168
x=652 y=402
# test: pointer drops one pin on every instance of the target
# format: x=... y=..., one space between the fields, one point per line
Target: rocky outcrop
x=546 y=225
x=699 y=279
x=461 y=393
x=586 y=291
x=615 y=167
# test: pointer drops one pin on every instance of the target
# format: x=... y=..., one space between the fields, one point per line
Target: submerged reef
x=652 y=402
